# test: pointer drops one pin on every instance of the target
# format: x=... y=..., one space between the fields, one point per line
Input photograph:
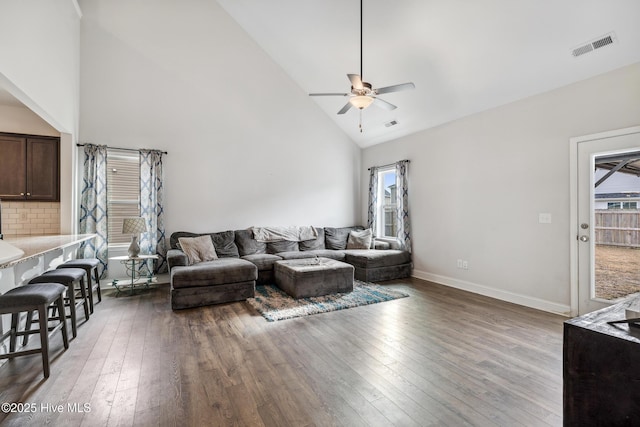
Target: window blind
x=123 y=192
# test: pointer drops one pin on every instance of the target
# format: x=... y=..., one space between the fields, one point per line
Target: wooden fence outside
x=617 y=227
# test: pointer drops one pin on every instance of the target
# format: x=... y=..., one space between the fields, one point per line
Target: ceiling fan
x=362 y=93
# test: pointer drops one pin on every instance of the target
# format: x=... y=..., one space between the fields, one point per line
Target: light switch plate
x=544 y=218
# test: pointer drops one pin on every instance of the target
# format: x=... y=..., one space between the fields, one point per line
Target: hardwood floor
x=440 y=357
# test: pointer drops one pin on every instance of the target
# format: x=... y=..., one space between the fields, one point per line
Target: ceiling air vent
x=603 y=41
x=391 y=123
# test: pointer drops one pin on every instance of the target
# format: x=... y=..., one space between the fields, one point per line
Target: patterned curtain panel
x=372 y=213
x=402 y=206
x=152 y=207
x=93 y=205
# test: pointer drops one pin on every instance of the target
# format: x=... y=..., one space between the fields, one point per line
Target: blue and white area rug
x=274 y=304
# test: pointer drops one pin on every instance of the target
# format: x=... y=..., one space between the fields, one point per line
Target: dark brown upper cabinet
x=29 y=167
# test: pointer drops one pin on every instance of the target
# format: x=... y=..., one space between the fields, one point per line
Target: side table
x=134 y=278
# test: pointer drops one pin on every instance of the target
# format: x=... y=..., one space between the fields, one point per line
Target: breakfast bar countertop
x=34 y=246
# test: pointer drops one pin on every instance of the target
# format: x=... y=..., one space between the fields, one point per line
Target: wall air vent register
x=598 y=43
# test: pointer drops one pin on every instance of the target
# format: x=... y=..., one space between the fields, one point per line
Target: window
x=123 y=192
x=387 y=218
x=622 y=205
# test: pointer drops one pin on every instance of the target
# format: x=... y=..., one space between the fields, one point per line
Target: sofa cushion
x=198 y=249
x=324 y=253
x=313 y=244
x=373 y=258
x=217 y=272
x=175 y=257
x=380 y=244
x=247 y=245
x=224 y=242
x=360 y=239
x=336 y=238
x=263 y=261
x=173 y=240
x=282 y=246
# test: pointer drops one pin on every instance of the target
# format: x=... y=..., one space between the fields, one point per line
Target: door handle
x=583 y=238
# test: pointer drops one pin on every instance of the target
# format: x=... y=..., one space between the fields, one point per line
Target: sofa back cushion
x=282 y=246
x=173 y=240
x=247 y=245
x=223 y=242
x=360 y=239
x=336 y=238
x=313 y=244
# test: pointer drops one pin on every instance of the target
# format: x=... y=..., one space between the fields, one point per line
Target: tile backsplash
x=30 y=218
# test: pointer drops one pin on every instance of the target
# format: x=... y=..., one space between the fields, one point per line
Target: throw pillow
x=360 y=239
x=198 y=249
x=336 y=238
x=225 y=244
x=247 y=245
x=313 y=244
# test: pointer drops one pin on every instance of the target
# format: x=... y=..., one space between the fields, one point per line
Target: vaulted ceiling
x=464 y=56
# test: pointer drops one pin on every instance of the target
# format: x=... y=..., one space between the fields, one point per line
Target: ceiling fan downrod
x=362 y=93
x=361 y=75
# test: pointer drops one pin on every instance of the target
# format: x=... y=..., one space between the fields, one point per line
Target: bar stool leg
x=97 y=279
x=14 y=331
x=25 y=338
x=90 y=292
x=63 y=320
x=85 y=303
x=93 y=280
x=43 y=317
x=71 y=296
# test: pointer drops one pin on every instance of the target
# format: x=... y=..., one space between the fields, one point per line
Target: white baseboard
x=525 y=300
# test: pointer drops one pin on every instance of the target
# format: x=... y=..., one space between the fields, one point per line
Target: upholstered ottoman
x=379 y=264
x=212 y=282
x=312 y=277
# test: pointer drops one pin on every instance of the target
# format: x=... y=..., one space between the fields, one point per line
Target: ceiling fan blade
x=356 y=81
x=384 y=104
x=394 y=88
x=328 y=94
x=345 y=108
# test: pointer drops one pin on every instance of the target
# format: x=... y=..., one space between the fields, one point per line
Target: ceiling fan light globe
x=361 y=102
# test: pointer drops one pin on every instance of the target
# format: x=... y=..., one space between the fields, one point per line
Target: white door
x=589 y=150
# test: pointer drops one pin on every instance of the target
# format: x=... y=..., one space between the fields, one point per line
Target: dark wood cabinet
x=29 y=168
x=601 y=369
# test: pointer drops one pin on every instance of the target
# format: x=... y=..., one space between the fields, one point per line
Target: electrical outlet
x=465 y=265
x=459 y=263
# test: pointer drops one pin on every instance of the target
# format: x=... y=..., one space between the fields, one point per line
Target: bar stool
x=68 y=277
x=38 y=298
x=90 y=265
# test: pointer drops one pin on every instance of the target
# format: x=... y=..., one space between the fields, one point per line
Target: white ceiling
x=464 y=56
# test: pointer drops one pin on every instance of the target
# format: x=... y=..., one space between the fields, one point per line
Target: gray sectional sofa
x=244 y=262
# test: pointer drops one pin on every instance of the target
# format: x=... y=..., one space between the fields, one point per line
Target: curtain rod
x=118 y=148
x=390 y=164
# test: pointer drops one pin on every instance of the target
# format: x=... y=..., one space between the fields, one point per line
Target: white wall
x=16 y=119
x=246 y=145
x=478 y=184
x=39 y=65
x=39 y=57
